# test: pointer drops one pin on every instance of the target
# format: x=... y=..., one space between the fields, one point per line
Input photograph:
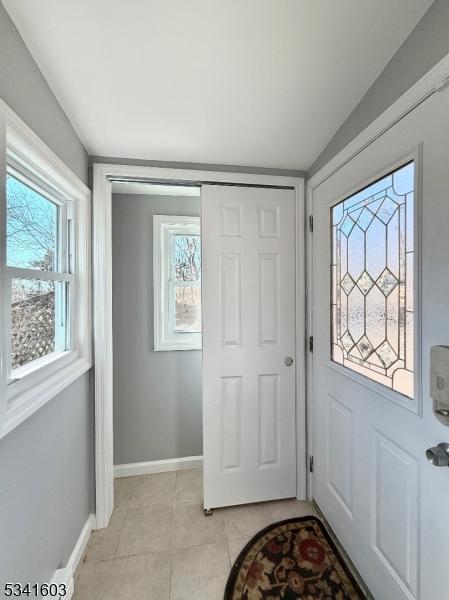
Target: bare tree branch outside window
x=31 y=243
x=187 y=269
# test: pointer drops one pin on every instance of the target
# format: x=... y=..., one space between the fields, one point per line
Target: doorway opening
x=276 y=203
x=156 y=322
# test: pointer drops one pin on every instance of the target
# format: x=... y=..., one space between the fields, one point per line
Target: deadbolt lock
x=439 y=382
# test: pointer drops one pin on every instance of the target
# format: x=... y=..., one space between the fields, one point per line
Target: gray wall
x=425 y=47
x=46 y=486
x=157 y=395
x=46 y=464
x=24 y=89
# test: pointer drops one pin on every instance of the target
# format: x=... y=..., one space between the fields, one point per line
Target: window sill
x=32 y=373
x=170 y=346
x=171 y=341
x=30 y=399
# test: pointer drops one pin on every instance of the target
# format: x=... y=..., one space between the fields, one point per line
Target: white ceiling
x=244 y=82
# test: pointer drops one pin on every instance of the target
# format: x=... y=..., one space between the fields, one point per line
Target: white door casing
x=102 y=281
x=372 y=481
x=248 y=297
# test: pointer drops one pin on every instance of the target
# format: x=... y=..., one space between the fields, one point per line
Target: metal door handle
x=438 y=455
x=443 y=412
x=288 y=361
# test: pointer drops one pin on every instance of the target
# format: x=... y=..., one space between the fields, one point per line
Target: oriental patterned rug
x=291 y=560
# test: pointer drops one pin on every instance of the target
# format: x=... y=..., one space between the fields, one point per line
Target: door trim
x=412 y=404
x=102 y=308
x=432 y=82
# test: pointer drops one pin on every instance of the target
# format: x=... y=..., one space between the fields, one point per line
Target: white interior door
x=386 y=250
x=248 y=299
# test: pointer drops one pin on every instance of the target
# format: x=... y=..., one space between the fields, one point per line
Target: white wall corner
x=63 y=577
x=66 y=574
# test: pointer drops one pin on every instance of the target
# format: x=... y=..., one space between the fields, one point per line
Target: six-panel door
x=248 y=295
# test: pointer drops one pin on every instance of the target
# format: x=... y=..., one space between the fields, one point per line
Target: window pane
x=32 y=223
x=35 y=329
x=372 y=281
x=188 y=308
x=187 y=265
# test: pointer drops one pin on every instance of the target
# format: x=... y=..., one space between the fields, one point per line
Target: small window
x=372 y=281
x=177 y=283
x=38 y=225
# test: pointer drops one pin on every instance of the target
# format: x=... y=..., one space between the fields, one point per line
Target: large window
x=40 y=280
x=45 y=273
x=177 y=283
x=372 y=276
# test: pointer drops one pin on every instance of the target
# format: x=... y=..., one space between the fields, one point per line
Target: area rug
x=293 y=559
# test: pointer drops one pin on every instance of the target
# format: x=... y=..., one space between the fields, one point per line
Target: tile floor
x=160 y=546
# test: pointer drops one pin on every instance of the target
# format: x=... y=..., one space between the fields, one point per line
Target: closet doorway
x=252 y=333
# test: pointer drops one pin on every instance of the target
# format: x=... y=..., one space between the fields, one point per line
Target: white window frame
x=34 y=384
x=165 y=336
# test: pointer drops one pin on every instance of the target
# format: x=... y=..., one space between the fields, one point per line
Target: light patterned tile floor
x=160 y=546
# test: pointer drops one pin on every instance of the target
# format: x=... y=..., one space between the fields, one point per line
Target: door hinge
x=311 y=343
x=311 y=464
x=311 y=223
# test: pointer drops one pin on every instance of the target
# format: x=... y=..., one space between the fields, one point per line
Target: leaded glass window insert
x=372 y=281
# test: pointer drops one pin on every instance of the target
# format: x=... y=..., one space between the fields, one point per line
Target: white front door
x=380 y=301
x=248 y=299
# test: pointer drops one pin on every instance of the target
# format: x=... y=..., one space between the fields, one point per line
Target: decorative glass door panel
x=372 y=281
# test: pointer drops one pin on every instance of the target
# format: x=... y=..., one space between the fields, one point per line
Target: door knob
x=288 y=361
x=443 y=412
x=439 y=455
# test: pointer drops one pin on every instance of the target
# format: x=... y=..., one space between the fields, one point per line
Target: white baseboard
x=65 y=575
x=158 y=466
